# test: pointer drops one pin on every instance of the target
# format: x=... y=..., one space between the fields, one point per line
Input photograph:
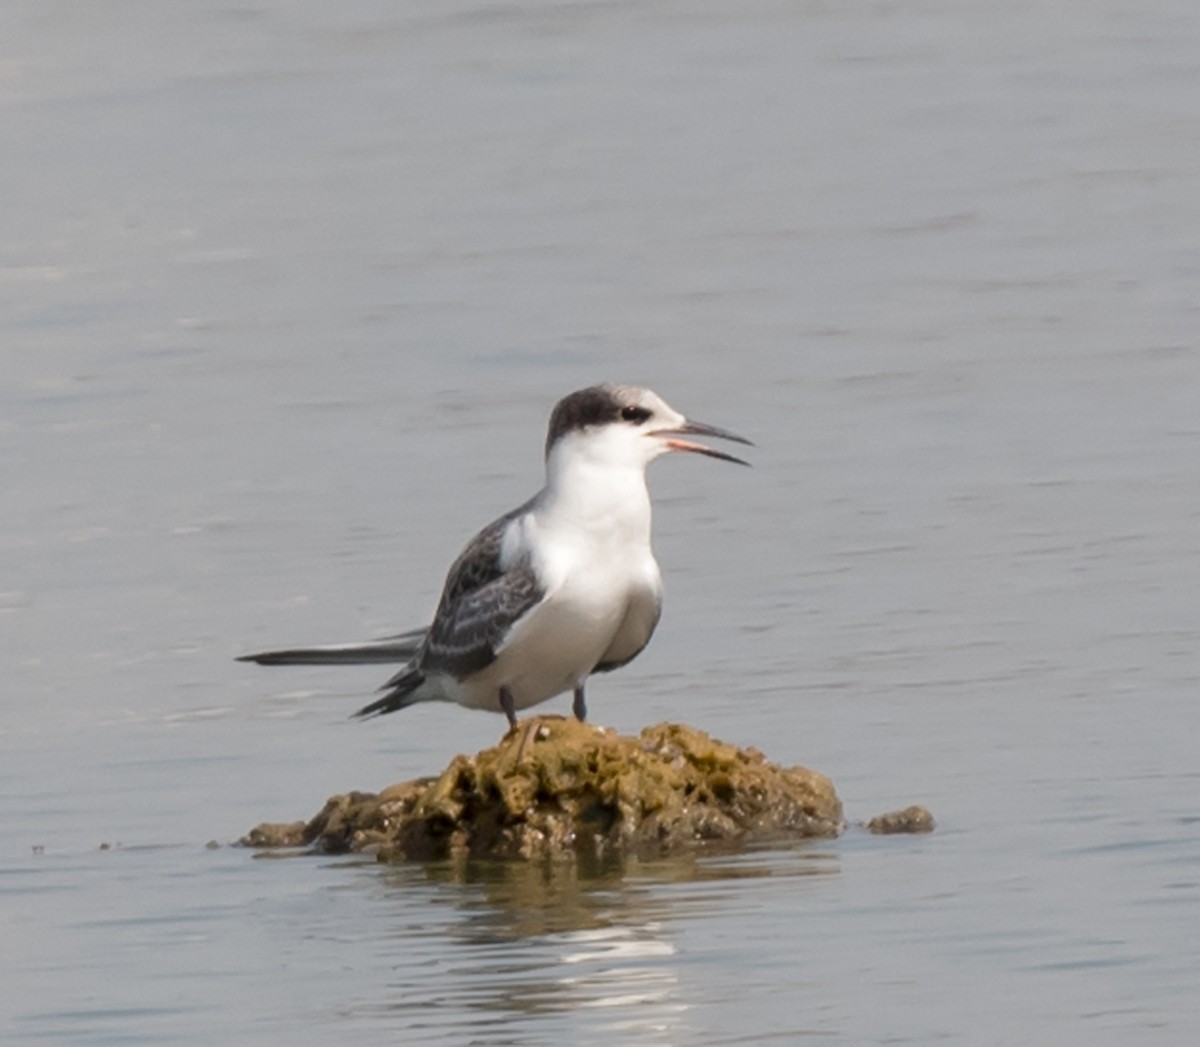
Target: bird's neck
x=598 y=497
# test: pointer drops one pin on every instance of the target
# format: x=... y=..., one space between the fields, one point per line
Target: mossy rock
x=557 y=787
x=914 y=819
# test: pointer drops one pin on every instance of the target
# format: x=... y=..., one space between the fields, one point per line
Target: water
x=286 y=293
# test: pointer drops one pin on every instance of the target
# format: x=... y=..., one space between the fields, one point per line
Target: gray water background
x=287 y=290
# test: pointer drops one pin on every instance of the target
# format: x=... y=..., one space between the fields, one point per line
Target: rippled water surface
x=287 y=291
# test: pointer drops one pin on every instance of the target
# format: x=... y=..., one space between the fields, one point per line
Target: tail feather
x=389 y=650
x=401 y=693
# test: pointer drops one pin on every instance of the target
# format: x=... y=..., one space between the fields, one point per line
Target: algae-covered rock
x=914 y=819
x=559 y=787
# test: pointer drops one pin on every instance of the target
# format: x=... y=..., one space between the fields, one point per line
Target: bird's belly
x=552 y=649
x=634 y=630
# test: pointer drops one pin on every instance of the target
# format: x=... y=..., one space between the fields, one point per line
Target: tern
x=563 y=586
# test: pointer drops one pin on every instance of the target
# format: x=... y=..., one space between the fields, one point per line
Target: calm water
x=287 y=290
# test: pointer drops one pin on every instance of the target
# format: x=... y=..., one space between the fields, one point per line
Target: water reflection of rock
x=658 y=832
x=597 y=946
x=557 y=787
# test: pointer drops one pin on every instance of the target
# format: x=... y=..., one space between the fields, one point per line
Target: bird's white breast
x=601 y=585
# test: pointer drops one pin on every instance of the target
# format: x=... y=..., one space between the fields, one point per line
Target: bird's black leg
x=506 y=706
x=580 y=706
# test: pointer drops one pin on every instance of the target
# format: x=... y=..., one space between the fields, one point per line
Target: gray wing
x=480 y=603
x=468 y=630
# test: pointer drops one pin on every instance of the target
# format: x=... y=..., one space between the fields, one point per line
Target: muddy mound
x=559 y=787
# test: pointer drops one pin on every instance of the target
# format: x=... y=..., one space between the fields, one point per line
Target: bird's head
x=626 y=426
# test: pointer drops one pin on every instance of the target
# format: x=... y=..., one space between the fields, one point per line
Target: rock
x=914 y=819
x=281 y=834
x=555 y=786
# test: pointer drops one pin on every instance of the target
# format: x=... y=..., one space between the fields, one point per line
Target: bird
x=563 y=586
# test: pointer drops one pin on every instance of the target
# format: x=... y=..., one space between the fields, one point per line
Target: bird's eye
x=634 y=414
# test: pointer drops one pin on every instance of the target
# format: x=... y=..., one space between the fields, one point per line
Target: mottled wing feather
x=469 y=630
x=479 y=605
x=479 y=563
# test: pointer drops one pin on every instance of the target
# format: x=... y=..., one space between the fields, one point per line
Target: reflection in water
x=482 y=946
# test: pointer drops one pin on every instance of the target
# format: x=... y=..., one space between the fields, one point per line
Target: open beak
x=699 y=429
